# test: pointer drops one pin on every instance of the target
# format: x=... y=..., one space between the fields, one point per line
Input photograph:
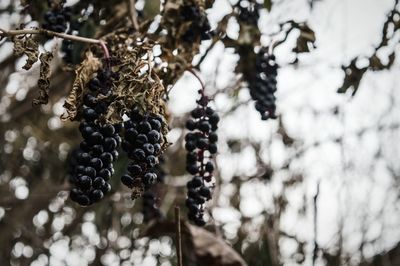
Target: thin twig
x=178 y=235
x=198 y=78
x=133 y=13
x=315 y=252
x=10 y=33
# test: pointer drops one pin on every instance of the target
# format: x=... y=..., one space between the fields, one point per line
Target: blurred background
x=317 y=186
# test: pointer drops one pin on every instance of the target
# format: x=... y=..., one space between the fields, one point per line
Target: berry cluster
x=201 y=144
x=56 y=19
x=200 y=25
x=142 y=142
x=98 y=149
x=248 y=12
x=263 y=84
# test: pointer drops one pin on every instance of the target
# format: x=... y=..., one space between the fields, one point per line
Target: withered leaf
x=268 y=4
x=376 y=64
x=29 y=47
x=305 y=39
x=212 y=250
x=44 y=79
x=83 y=74
x=353 y=76
x=200 y=247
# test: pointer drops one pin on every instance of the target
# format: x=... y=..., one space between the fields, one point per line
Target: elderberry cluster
x=201 y=144
x=248 y=11
x=98 y=150
x=56 y=19
x=142 y=142
x=263 y=84
x=199 y=26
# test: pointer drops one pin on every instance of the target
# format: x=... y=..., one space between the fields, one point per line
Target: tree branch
x=133 y=13
x=10 y=33
x=178 y=236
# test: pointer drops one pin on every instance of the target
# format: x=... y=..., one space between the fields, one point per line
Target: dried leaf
x=353 y=76
x=376 y=64
x=305 y=39
x=29 y=47
x=212 y=250
x=268 y=4
x=200 y=246
x=83 y=74
x=44 y=79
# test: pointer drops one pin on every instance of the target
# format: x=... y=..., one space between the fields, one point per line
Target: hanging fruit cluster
x=201 y=146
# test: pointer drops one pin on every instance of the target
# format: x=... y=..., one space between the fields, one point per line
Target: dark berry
x=214 y=118
x=192 y=169
x=96 y=195
x=90 y=171
x=153 y=136
x=106 y=188
x=95 y=138
x=197 y=113
x=205 y=192
x=84 y=158
x=89 y=114
x=141 y=139
x=204 y=126
x=104 y=173
x=83 y=200
x=109 y=144
x=108 y=130
x=84 y=182
x=89 y=100
x=212 y=148
x=202 y=143
x=128 y=181
x=151 y=161
x=98 y=182
x=148 y=148
x=191 y=124
x=106 y=158
x=97 y=150
x=213 y=137
x=134 y=169
x=157 y=148
x=209 y=167
x=155 y=124
x=190 y=145
x=131 y=134
x=139 y=154
x=144 y=127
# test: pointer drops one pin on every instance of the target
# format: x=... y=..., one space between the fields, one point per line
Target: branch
x=198 y=78
x=178 y=235
x=133 y=13
x=10 y=33
x=315 y=251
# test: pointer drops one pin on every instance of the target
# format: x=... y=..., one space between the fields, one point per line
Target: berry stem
x=191 y=70
x=105 y=49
